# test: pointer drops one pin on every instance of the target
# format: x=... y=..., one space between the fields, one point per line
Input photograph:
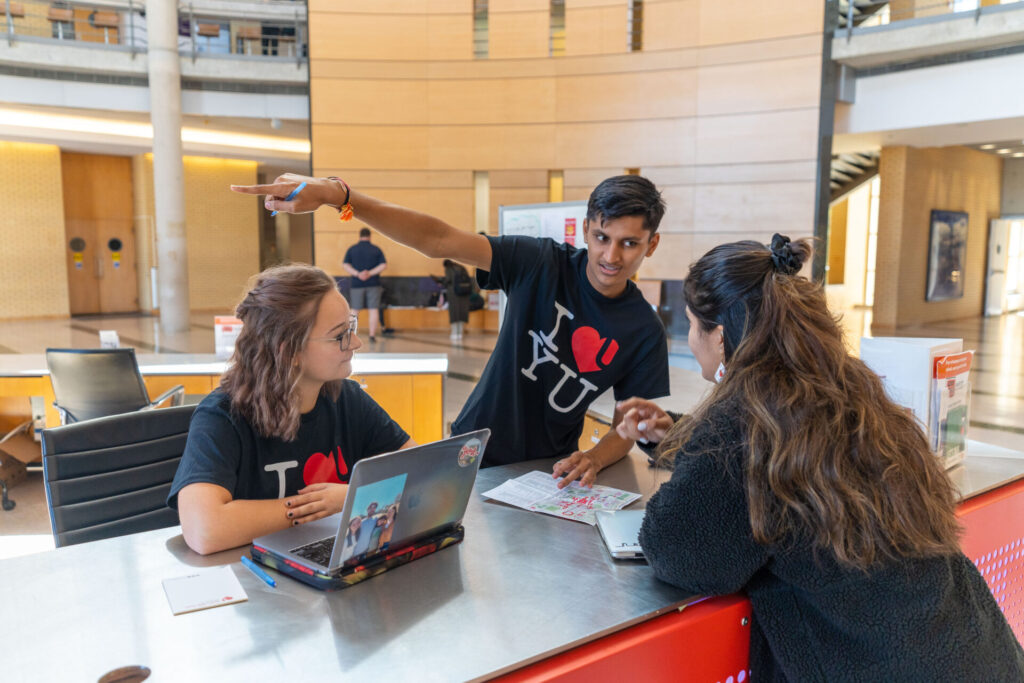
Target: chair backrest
x=90 y=383
x=111 y=476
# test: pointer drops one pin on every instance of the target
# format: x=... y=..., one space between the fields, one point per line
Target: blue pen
x=260 y=574
x=291 y=195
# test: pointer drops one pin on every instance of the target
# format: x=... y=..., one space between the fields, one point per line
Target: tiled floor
x=997 y=404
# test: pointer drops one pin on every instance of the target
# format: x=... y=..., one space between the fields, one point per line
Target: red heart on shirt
x=587 y=344
x=324 y=468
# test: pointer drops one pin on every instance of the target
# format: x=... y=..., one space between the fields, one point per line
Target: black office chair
x=110 y=476
x=89 y=383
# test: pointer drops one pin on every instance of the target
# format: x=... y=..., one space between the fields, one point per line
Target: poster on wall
x=947 y=255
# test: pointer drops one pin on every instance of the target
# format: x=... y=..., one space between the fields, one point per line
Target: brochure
x=539 y=492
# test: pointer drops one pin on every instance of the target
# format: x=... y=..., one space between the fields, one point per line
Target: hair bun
x=783 y=258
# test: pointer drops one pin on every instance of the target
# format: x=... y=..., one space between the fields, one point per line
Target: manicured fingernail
x=288 y=504
x=295 y=523
x=289 y=515
x=642 y=426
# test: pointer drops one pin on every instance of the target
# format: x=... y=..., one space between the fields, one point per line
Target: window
x=481 y=48
x=635 y=26
x=556 y=186
x=482 y=201
x=557 y=42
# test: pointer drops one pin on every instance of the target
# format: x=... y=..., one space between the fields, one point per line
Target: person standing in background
x=364 y=261
x=458 y=286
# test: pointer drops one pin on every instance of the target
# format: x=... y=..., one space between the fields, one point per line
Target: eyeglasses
x=345 y=338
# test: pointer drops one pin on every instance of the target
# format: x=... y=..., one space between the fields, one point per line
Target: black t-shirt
x=562 y=344
x=364 y=255
x=223 y=448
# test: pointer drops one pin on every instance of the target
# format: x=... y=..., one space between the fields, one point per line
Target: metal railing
x=852 y=12
x=121 y=25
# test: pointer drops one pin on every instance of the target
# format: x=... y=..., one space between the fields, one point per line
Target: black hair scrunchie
x=783 y=258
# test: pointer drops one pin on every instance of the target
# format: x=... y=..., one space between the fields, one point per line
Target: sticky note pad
x=204 y=589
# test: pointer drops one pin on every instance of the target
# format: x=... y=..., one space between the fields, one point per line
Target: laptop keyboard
x=318 y=551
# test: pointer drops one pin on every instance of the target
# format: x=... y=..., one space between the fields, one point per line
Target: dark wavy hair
x=278 y=313
x=627 y=195
x=829 y=457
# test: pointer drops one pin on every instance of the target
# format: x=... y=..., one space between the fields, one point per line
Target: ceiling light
x=988 y=147
x=1018 y=155
x=144 y=131
x=1004 y=151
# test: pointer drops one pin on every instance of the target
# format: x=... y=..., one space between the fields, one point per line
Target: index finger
x=275 y=189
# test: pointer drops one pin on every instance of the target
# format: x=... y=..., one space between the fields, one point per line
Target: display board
x=561 y=221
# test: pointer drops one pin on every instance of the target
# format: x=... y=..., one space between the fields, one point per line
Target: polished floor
x=997 y=411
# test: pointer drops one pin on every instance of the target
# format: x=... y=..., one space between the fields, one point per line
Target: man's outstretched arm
x=428 y=235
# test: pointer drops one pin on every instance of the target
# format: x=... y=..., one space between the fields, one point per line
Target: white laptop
x=620 y=530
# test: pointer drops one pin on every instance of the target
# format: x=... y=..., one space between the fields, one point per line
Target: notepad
x=204 y=589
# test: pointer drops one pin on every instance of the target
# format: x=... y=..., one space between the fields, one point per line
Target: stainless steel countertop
x=34 y=364
x=521 y=587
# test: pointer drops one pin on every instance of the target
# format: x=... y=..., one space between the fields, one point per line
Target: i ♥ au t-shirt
x=223 y=448
x=561 y=345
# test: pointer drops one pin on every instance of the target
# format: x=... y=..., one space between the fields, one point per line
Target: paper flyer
x=204 y=589
x=538 y=492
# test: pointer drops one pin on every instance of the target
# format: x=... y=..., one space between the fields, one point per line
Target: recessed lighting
x=1004 y=151
x=1018 y=155
x=988 y=146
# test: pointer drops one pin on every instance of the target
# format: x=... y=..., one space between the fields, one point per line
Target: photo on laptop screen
x=375 y=510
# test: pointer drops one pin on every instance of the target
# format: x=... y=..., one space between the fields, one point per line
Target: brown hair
x=278 y=314
x=829 y=456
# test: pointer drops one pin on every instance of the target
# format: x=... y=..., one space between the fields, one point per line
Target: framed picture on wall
x=947 y=255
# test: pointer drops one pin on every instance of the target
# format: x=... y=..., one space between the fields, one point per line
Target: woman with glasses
x=274 y=444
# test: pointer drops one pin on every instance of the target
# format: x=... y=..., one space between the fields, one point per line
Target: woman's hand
x=316 y=501
x=642 y=420
x=580 y=465
x=316 y=193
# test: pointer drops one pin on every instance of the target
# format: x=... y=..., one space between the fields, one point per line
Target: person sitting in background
x=799 y=481
x=274 y=444
x=458 y=286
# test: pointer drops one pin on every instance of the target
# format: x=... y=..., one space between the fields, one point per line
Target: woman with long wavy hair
x=274 y=444
x=798 y=480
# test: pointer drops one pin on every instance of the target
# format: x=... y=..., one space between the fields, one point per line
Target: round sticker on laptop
x=469 y=452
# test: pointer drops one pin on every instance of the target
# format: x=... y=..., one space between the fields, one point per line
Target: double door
x=99 y=234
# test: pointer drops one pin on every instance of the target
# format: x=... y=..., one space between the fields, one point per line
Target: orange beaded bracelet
x=345 y=211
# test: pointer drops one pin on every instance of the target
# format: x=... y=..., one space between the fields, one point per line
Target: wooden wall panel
x=787 y=208
x=595 y=27
x=491 y=101
x=758 y=138
x=519 y=29
x=780 y=84
x=362 y=101
x=738 y=21
x=616 y=96
x=671 y=24
x=665 y=142
x=493 y=147
x=358 y=36
x=368 y=147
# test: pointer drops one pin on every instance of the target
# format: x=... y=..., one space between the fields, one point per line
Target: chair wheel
x=8 y=505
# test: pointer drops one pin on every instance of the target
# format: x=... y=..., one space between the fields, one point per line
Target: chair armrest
x=176 y=394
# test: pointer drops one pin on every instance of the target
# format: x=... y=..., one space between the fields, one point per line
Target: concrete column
x=168 y=170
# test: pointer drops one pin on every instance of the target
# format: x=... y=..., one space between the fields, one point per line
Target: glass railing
x=854 y=14
x=122 y=26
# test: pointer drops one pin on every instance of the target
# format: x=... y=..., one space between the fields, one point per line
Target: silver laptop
x=620 y=530
x=404 y=503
